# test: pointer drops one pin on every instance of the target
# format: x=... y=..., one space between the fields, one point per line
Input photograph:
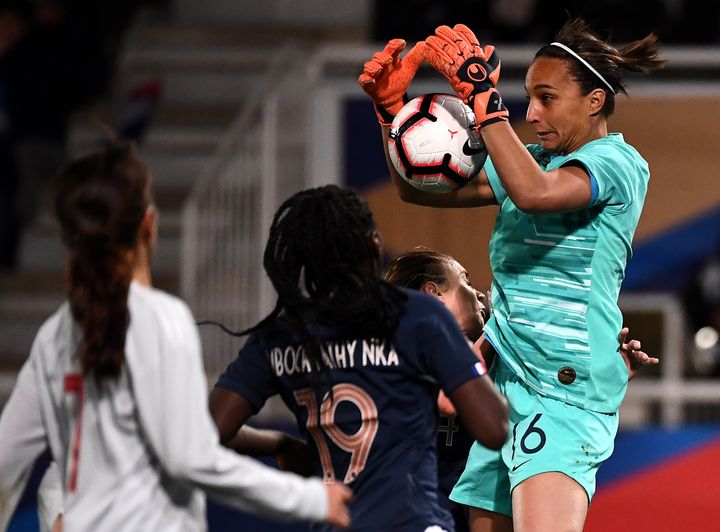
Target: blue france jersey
x=453 y=445
x=377 y=430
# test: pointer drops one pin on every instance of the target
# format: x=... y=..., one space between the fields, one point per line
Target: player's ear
x=147 y=232
x=596 y=101
x=429 y=288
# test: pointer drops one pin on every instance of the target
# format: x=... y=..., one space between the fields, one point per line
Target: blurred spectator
x=413 y=20
x=536 y=21
x=137 y=110
x=56 y=56
x=617 y=20
x=14 y=21
x=514 y=21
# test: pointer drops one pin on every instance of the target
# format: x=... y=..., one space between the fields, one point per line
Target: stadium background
x=187 y=68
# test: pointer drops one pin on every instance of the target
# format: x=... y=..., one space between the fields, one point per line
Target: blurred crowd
x=535 y=21
x=56 y=56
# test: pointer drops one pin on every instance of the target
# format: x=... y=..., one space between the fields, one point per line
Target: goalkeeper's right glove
x=386 y=78
x=472 y=70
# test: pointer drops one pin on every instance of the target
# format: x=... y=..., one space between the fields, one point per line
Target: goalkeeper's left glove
x=386 y=78
x=472 y=70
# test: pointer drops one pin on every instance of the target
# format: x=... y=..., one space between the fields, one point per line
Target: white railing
x=288 y=136
x=671 y=391
x=670 y=320
x=226 y=220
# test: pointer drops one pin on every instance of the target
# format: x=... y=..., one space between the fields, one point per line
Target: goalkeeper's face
x=563 y=118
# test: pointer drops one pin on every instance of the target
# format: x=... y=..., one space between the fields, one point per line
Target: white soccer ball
x=433 y=144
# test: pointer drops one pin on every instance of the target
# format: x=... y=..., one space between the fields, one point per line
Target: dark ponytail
x=100 y=202
x=639 y=56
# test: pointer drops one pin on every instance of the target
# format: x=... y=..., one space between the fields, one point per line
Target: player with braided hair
x=315 y=236
x=569 y=206
x=359 y=362
x=114 y=386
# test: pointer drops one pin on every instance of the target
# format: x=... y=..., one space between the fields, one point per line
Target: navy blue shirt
x=377 y=433
x=453 y=445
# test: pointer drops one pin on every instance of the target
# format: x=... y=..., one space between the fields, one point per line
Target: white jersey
x=133 y=452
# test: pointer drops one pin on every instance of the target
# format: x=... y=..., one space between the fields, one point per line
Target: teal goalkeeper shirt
x=556 y=278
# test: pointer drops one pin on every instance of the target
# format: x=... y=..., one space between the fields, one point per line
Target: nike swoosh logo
x=515 y=468
x=468 y=150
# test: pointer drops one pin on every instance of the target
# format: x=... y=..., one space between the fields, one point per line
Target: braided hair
x=326 y=269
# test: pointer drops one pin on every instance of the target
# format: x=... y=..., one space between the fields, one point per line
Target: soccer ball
x=433 y=144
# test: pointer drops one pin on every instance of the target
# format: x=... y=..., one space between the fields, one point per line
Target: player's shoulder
x=56 y=327
x=422 y=308
x=613 y=145
x=154 y=297
x=618 y=160
x=162 y=330
x=151 y=305
x=56 y=319
x=416 y=297
x=279 y=332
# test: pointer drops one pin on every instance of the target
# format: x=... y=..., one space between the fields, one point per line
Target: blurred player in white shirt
x=114 y=384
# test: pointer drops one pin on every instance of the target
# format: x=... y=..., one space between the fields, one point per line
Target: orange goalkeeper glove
x=472 y=70
x=386 y=78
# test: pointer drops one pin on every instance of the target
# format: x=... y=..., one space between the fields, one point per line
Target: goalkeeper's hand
x=386 y=78
x=634 y=358
x=472 y=70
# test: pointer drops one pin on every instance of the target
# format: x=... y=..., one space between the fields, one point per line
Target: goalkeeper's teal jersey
x=556 y=278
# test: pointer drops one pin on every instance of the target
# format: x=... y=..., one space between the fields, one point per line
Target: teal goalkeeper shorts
x=546 y=435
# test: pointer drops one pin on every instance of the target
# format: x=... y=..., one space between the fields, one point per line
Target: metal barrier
x=226 y=220
x=227 y=217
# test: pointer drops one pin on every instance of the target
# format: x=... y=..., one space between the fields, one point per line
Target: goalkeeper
x=569 y=206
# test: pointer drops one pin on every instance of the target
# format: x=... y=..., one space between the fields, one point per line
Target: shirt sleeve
x=50 y=498
x=250 y=374
x=615 y=176
x=448 y=352
x=494 y=181
x=171 y=393
x=22 y=436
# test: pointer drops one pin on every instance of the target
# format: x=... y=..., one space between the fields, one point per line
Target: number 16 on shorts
x=529 y=439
